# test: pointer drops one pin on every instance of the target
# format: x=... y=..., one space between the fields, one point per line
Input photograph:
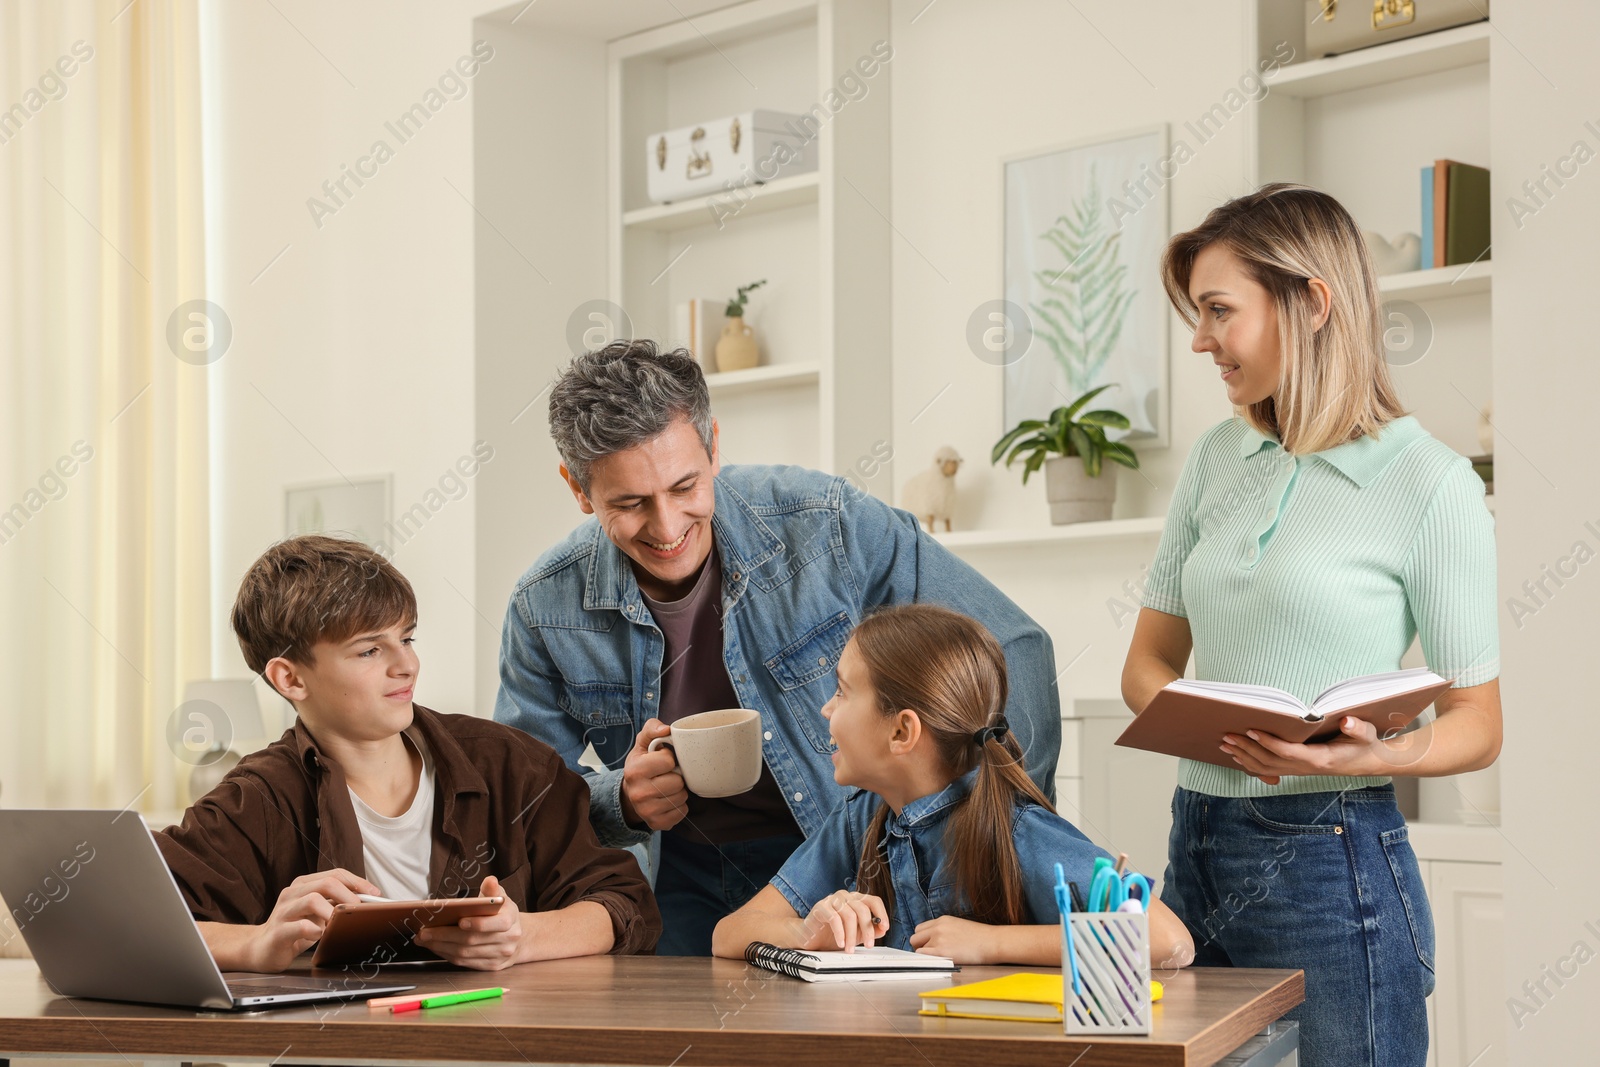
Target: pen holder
x=1113 y=953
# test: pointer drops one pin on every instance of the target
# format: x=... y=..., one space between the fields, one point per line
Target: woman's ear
x=906 y=733
x=1323 y=296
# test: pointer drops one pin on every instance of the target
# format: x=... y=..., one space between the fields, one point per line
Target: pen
x=1078 y=903
x=1064 y=904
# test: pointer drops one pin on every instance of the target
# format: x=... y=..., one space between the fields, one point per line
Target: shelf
x=1077 y=531
x=1432 y=52
x=724 y=383
x=714 y=29
x=710 y=209
x=1459 y=280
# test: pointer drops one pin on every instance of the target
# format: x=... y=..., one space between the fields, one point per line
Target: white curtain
x=103 y=466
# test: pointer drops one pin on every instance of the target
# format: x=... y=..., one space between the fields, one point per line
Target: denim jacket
x=804 y=557
x=921 y=870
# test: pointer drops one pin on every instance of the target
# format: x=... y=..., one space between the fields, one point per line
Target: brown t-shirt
x=694 y=678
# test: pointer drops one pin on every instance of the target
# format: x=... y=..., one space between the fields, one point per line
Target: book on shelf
x=1455 y=213
x=1188 y=718
x=1428 y=262
x=860 y=965
x=697 y=324
x=1021 y=997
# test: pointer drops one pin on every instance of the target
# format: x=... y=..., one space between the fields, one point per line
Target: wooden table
x=647 y=1010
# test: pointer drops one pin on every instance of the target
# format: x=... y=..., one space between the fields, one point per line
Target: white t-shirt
x=398 y=850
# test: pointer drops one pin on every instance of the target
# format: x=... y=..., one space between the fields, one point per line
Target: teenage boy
x=370 y=793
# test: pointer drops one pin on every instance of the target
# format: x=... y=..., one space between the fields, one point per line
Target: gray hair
x=620 y=396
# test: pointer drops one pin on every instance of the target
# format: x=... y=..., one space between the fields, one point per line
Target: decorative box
x=730 y=153
x=1338 y=26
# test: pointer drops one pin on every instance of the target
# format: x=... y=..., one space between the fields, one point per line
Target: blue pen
x=1064 y=903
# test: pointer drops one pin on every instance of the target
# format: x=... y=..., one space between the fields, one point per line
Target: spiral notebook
x=862 y=965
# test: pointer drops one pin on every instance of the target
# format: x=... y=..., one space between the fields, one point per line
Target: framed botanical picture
x=357 y=508
x=1085 y=226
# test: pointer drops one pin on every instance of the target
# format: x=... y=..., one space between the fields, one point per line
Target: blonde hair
x=1334 y=385
x=951 y=671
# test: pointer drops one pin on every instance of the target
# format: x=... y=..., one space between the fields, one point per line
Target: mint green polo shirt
x=1302 y=571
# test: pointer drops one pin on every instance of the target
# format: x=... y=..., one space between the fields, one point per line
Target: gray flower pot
x=1073 y=495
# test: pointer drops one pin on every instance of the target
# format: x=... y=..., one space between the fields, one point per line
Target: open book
x=861 y=965
x=1188 y=718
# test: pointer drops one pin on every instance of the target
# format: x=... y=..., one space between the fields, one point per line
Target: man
x=700 y=587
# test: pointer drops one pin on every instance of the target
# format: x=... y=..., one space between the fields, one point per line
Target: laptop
x=104 y=919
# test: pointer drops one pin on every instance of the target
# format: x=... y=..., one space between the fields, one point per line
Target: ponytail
x=988 y=869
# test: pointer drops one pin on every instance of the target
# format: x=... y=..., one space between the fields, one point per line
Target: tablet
x=371 y=934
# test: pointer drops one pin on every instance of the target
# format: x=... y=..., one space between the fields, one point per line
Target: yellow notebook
x=1016 y=997
x=1022 y=998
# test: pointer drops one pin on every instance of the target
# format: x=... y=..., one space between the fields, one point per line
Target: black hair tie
x=997 y=732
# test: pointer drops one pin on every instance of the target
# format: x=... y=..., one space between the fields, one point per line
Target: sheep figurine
x=930 y=495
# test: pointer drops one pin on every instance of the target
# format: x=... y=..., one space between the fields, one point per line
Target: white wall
x=353 y=352
x=977 y=83
x=1546 y=380
x=540 y=177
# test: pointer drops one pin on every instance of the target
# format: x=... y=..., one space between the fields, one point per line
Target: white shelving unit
x=728 y=383
x=1460 y=280
x=1052 y=535
x=703 y=210
x=1430 y=53
x=819 y=396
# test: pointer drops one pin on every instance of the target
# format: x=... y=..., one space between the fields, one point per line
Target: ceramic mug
x=719 y=752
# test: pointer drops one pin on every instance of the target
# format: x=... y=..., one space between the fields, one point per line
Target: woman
x=1309 y=539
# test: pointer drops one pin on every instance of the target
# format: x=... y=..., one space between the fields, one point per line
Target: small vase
x=1073 y=495
x=736 y=348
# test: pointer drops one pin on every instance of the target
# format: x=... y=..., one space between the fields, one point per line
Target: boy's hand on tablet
x=844 y=920
x=481 y=942
x=962 y=940
x=653 y=792
x=300 y=916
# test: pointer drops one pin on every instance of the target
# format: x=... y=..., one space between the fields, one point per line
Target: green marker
x=445 y=999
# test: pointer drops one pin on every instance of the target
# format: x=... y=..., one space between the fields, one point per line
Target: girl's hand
x=481 y=942
x=844 y=920
x=1356 y=750
x=962 y=940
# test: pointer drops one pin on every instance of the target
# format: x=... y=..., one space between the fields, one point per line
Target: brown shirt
x=694 y=678
x=504 y=804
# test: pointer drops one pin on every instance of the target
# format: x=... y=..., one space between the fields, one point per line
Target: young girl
x=947 y=847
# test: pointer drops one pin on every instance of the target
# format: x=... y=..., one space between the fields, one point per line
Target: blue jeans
x=1323 y=882
x=697 y=884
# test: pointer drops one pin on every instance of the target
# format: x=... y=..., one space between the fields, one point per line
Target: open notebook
x=1188 y=718
x=862 y=965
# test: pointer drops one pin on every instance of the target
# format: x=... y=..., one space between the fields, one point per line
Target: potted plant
x=1076 y=491
x=736 y=348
